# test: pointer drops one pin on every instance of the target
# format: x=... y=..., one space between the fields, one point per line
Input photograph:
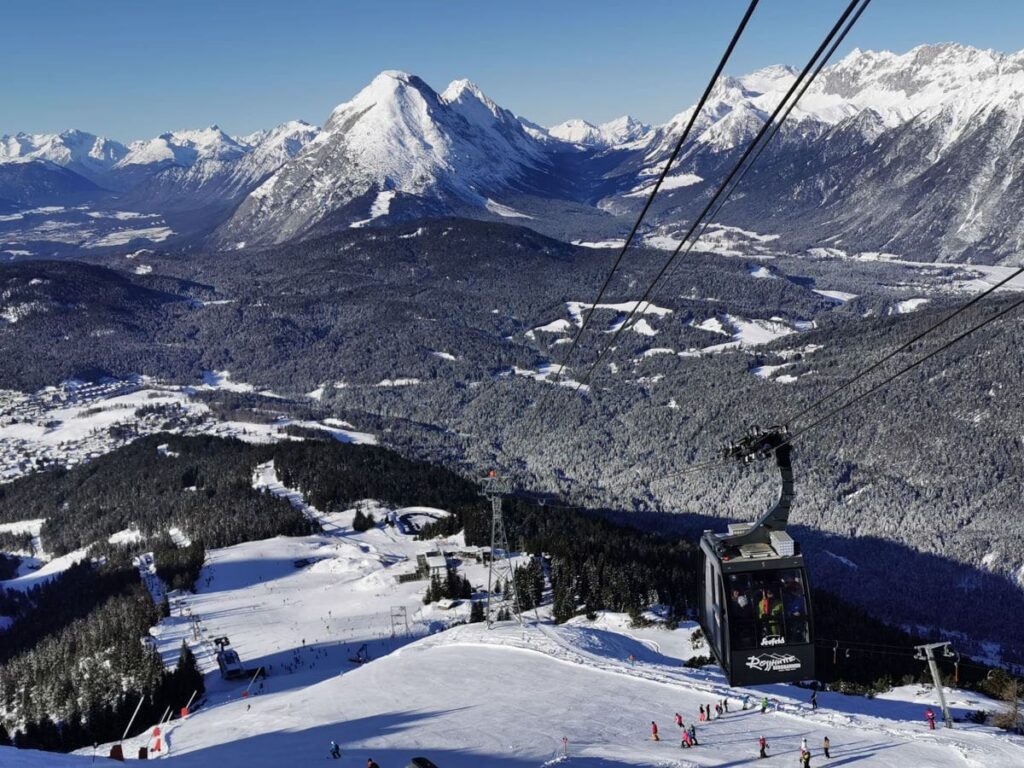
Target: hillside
x=439 y=336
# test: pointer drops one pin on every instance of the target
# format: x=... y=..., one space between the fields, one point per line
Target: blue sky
x=135 y=68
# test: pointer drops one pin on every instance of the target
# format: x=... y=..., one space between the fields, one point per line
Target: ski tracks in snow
x=556 y=643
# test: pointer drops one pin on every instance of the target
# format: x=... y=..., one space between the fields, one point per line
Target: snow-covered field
x=73 y=422
x=466 y=696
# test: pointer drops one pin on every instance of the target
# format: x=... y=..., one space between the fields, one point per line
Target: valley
x=432 y=436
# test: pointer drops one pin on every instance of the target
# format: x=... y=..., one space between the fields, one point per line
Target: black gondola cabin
x=755 y=607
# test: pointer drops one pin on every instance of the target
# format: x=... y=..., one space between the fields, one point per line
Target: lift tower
x=927 y=653
x=501 y=566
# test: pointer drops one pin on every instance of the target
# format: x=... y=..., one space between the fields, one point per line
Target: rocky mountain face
x=915 y=154
x=179 y=168
x=398 y=145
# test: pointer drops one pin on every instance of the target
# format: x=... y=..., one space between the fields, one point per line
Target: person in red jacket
x=654 y=731
x=679 y=720
x=930 y=717
x=763 y=744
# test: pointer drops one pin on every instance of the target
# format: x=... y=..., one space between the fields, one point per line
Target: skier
x=718 y=710
x=693 y=735
x=679 y=720
x=654 y=731
x=685 y=742
x=725 y=705
x=763 y=744
x=371 y=764
x=826 y=745
x=805 y=759
x=930 y=717
x=814 y=700
x=335 y=750
x=803 y=745
x=703 y=717
x=764 y=704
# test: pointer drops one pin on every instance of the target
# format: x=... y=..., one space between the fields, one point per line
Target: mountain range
x=916 y=154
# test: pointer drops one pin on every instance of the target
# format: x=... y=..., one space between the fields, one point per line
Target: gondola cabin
x=755 y=605
x=227 y=659
x=755 y=610
x=229 y=663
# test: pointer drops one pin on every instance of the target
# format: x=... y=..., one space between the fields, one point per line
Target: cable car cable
x=905 y=345
x=905 y=369
x=821 y=65
x=880 y=385
x=778 y=125
x=732 y=174
x=585 y=320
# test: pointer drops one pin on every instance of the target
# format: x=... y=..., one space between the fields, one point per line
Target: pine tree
x=187 y=678
x=359 y=522
x=452 y=584
x=476 y=612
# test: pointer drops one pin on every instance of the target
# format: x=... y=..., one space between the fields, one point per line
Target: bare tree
x=1012 y=716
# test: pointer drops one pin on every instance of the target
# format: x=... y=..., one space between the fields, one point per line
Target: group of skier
x=805 y=751
x=688 y=733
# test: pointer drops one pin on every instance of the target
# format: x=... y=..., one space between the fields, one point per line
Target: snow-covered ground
x=468 y=696
x=71 y=423
x=380 y=207
x=745 y=333
x=504 y=211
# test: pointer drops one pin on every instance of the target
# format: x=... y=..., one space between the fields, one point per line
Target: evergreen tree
x=359 y=522
x=476 y=612
x=187 y=677
x=452 y=584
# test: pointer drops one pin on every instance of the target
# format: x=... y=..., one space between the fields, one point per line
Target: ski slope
x=466 y=696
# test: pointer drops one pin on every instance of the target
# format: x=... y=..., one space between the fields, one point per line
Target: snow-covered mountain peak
x=577 y=131
x=466 y=98
x=271 y=149
x=83 y=151
x=772 y=79
x=184 y=148
x=923 y=78
x=621 y=130
x=464 y=88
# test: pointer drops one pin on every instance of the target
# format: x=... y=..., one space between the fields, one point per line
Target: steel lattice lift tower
x=500 y=565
